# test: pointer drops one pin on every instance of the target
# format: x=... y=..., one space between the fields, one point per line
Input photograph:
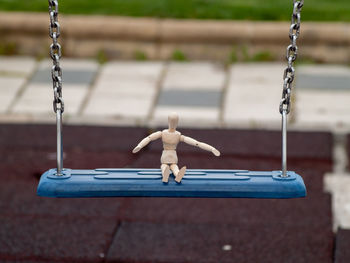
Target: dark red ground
x=35 y=229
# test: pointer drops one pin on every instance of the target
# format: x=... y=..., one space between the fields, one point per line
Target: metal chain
x=288 y=77
x=56 y=74
x=55 y=53
x=292 y=53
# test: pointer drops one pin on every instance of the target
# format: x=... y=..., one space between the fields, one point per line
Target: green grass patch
x=274 y=10
x=8 y=48
x=101 y=57
x=262 y=56
x=140 y=55
x=179 y=56
x=233 y=57
x=242 y=54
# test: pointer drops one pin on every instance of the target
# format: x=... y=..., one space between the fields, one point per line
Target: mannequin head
x=173 y=120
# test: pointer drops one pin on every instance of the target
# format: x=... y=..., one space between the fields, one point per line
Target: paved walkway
x=204 y=94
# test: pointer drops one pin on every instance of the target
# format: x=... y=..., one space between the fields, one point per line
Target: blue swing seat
x=148 y=183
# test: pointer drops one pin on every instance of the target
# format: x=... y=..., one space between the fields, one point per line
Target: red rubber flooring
x=35 y=229
x=342 y=253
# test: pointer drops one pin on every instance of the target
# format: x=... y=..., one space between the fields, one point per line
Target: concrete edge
x=154 y=29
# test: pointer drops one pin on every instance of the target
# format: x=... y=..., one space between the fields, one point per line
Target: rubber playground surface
x=36 y=229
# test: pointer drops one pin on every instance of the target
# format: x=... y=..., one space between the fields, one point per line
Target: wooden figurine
x=170 y=138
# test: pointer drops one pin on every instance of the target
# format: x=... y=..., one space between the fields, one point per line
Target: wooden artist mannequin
x=171 y=138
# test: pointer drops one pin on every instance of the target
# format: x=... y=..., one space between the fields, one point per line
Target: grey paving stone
x=189 y=116
x=124 y=91
x=194 y=75
x=253 y=94
x=197 y=98
x=339 y=186
x=70 y=76
x=18 y=65
x=9 y=87
x=329 y=82
x=37 y=98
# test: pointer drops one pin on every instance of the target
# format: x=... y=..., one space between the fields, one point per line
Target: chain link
x=55 y=54
x=291 y=56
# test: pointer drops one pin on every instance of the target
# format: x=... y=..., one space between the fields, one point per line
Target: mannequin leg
x=175 y=169
x=165 y=172
x=179 y=174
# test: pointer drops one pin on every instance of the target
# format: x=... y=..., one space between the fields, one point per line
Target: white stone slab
x=67 y=63
x=193 y=76
x=9 y=87
x=125 y=89
x=323 y=100
x=22 y=65
x=125 y=78
x=133 y=70
x=118 y=106
x=37 y=99
x=327 y=120
x=254 y=93
x=323 y=107
x=48 y=118
x=103 y=120
x=322 y=70
x=132 y=87
x=339 y=186
x=189 y=116
x=125 y=94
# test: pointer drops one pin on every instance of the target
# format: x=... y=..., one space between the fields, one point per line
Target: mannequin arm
x=152 y=137
x=200 y=145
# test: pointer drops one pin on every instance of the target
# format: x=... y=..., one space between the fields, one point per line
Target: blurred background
x=219 y=64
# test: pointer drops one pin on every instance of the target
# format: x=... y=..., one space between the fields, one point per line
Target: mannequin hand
x=215 y=152
x=136 y=149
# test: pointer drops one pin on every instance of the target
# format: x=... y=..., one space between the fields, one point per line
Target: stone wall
x=109 y=37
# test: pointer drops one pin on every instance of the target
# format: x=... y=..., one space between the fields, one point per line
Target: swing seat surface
x=148 y=183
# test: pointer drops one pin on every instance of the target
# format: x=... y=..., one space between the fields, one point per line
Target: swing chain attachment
x=55 y=54
x=288 y=77
x=291 y=56
x=56 y=74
